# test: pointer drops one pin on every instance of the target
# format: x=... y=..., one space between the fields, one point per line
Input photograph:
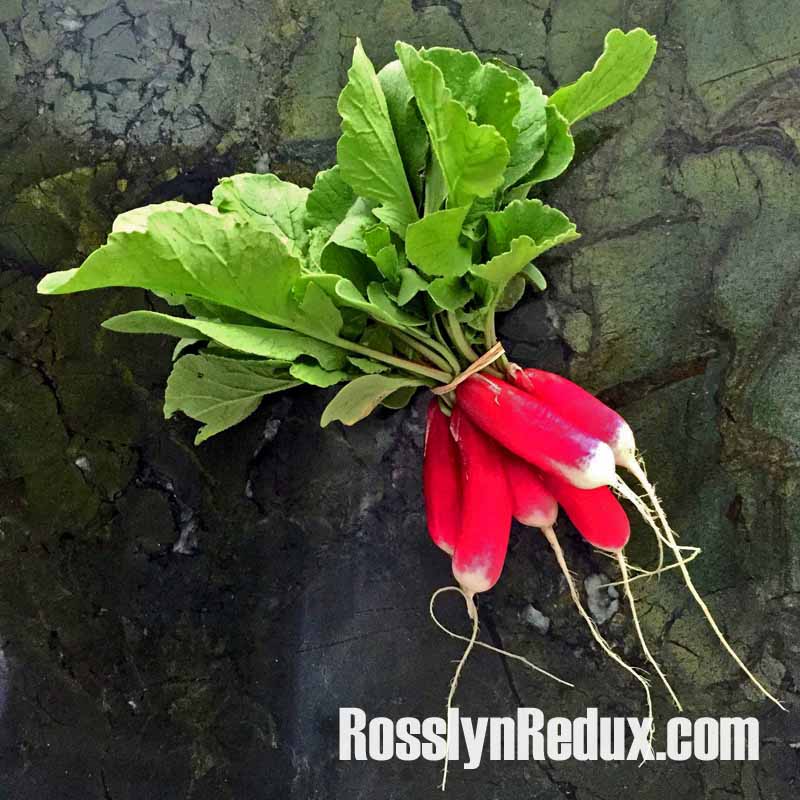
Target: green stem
x=489 y=331
x=442 y=349
x=400 y=363
x=459 y=340
x=422 y=349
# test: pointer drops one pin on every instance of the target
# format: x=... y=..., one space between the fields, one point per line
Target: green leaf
x=182 y=345
x=367 y=151
x=411 y=282
x=350 y=231
x=360 y=397
x=345 y=251
x=489 y=94
x=559 y=152
x=378 y=337
x=531 y=122
x=267 y=201
x=450 y=293
x=219 y=392
x=620 y=69
x=382 y=252
x=472 y=157
x=511 y=294
x=329 y=200
x=318 y=306
x=400 y=398
x=189 y=250
x=519 y=233
x=266 y=342
x=343 y=262
x=558 y=155
x=368 y=366
x=435 y=186
x=391 y=312
x=379 y=306
x=433 y=245
x=316 y=375
x=534 y=277
x=533 y=218
x=409 y=129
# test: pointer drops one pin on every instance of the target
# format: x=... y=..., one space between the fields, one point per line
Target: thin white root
x=649 y=573
x=636 y=468
x=454 y=684
x=486 y=646
x=648 y=655
x=645 y=513
x=471 y=641
x=550 y=535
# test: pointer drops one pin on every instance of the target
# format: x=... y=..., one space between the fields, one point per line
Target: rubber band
x=489 y=357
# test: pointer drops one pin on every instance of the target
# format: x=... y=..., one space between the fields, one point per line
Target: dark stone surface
x=184 y=623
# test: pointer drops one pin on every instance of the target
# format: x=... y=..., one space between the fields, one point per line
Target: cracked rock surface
x=185 y=622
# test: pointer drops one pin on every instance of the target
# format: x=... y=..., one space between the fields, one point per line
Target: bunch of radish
x=521 y=446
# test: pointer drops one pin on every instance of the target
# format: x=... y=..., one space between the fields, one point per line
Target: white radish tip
x=624 y=446
x=472 y=610
x=596 y=470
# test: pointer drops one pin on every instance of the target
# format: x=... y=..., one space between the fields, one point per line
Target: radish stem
x=442 y=349
x=422 y=349
x=459 y=340
x=400 y=363
x=489 y=330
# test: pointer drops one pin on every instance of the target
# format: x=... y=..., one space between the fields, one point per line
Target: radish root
x=550 y=535
x=648 y=573
x=472 y=641
x=456 y=676
x=486 y=646
x=623 y=568
x=636 y=468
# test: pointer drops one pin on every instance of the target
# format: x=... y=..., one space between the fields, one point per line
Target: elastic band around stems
x=489 y=357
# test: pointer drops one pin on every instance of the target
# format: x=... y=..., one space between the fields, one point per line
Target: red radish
x=533 y=504
x=579 y=408
x=441 y=480
x=596 y=513
x=531 y=429
x=485 y=511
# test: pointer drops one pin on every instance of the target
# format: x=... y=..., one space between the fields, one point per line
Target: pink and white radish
x=579 y=408
x=532 y=430
x=532 y=503
x=596 y=514
x=584 y=411
x=441 y=480
x=482 y=541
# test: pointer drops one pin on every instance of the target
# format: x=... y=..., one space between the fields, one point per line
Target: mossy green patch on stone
x=648 y=299
x=10 y=10
x=732 y=47
x=70 y=208
x=318 y=72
